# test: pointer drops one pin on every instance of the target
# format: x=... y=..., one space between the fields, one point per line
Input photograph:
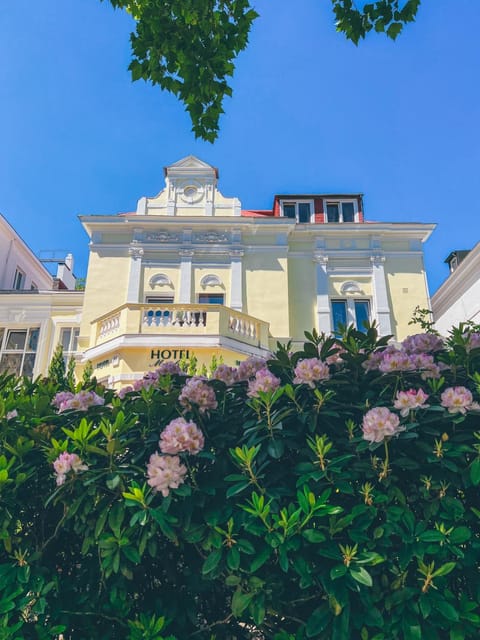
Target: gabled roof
x=191 y=162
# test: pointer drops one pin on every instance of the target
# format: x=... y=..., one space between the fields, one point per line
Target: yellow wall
x=105 y=289
x=302 y=295
x=266 y=291
x=407 y=289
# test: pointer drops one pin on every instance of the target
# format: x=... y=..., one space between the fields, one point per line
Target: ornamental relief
x=212 y=237
x=163 y=236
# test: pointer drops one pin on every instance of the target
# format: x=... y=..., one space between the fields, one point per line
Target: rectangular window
x=350 y=311
x=69 y=342
x=159 y=299
x=18 y=349
x=33 y=287
x=340 y=211
x=362 y=313
x=301 y=211
x=18 y=279
x=210 y=298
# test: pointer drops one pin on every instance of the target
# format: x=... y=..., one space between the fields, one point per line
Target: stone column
x=380 y=294
x=236 y=270
x=133 y=288
x=185 y=294
x=324 y=322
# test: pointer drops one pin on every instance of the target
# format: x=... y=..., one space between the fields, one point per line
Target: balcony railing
x=182 y=320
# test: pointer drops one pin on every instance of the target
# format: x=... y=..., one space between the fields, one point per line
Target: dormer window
x=341 y=211
x=299 y=210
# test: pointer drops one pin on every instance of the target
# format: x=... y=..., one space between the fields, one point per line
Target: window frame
x=160 y=299
x=295 y=203
x=350 y=311
x=19 y=273
x=24 y=351
x=340 y=203
x=200 y=295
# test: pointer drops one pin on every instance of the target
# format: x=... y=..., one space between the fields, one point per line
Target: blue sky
x=310 y=113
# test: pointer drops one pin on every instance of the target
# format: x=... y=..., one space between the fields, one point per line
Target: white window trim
x=163 y=299
x=296 y=203
x=72 y=329
x=18 y=272
x=340 y=202
x=25 y=351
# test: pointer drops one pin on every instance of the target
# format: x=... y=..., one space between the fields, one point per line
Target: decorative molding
x=211 y=237
x=160 y=279
x=211 y=280
x=136 y=252
x=186 y=253
x=377 y=258
x=236 y=253
x=351 y=287
x=163 y=236
x=320 y=257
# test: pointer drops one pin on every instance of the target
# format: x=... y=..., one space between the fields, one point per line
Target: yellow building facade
x=191 y=273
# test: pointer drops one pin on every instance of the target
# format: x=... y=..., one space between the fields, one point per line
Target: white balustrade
x=109 y=325
x=242 y=326
x=174 y=317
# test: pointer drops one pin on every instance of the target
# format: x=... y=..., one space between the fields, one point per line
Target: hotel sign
x=168 y=354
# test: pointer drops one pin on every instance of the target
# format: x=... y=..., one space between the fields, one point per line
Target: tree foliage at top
x=188 y=47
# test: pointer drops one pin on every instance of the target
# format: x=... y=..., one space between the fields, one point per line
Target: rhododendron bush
x=331 y=493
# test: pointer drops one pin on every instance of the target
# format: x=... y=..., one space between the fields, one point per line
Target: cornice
x=459 y=282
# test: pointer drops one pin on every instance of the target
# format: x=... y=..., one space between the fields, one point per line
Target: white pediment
x=190 y=162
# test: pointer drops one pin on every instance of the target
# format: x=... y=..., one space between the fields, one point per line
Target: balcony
x=186 y=321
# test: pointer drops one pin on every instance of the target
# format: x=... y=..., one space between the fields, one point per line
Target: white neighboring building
x=458 y=298
x=37 y=311
x=20 y=269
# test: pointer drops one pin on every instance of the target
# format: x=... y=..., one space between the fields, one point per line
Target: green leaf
x=115 y=518
x=447 y=610
x=475 y=472
x=276 y=448
x=212 y=561
x=260 y=559
x=314 y=536
x=361 y=575
x=240 y=602
x=412 y=632
x=459 y=535
x=237 y=488
x=318 y=621
x=445 y=569
x=338 y=571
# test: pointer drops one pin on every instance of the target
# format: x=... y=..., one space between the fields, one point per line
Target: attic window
x=341 y=211
x=299 y=210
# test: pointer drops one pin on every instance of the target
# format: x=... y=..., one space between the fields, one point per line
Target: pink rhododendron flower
x=473 y=341
x=65 y=463
x=411 y=399
x=12 y=414
x=148 y=380
x=249 y=367
x=198 y=392
x=311 y=370
x=228 y=375
x=422 y=343
x=395 y=361
x=165 y=473
x=264 y=381
x=80 y=401
x=373 y=361
x=169 y=368
x=181 y=436
x=62 y=397
x=380 y=423
x=458 y=400
x=121 y=393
